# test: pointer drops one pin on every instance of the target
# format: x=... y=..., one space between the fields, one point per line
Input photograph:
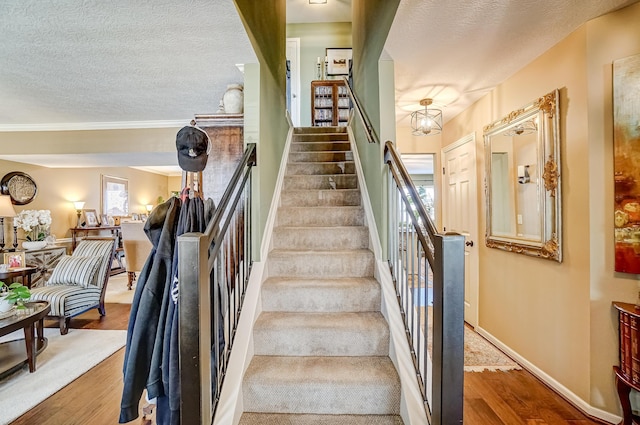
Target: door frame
x=471 y=267
x=294 y=43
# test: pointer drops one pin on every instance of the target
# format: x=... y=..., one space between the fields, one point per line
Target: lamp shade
x=78 y=205
x=6 y=207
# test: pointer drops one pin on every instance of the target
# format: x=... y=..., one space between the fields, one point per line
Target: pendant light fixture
x=426 y=122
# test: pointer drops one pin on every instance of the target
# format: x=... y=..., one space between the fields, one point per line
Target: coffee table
x=12 y=353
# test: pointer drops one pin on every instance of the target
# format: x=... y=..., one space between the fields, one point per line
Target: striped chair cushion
x=97 y=248
x=67 y=300
x=75 y=270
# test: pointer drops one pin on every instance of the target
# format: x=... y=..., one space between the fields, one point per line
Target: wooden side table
x=23 y=272
x=628 y=373
x=30 y=320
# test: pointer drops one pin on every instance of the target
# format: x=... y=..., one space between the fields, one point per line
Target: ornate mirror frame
x=544 y=174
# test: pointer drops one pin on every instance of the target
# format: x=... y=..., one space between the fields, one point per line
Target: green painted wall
x=371 y=22
x=314 y=40
x=266 y=30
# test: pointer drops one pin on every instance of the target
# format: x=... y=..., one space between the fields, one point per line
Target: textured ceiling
x=455 y=51
x=96 y=61
x=150 y=63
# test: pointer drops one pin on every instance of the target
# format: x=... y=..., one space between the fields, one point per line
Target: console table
x=628 y=373
x=115 y=232
x=44 y=260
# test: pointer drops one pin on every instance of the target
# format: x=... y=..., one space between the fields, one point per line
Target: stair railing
x=369 y=131
x=428 y=273
x=214 y=269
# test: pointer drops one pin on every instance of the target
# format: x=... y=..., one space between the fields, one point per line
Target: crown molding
x=115 y=125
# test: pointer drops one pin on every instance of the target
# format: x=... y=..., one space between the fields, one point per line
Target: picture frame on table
x=91 y=218
x=338 y=61
x=104 y=220
x=15 y=260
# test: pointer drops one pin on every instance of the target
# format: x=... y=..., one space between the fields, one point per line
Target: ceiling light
x=317 y=1
x=522 y=128
x=426 y=122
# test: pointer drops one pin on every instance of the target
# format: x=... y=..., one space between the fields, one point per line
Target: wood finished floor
x=490 y=398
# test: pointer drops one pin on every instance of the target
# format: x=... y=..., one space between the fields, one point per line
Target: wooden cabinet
x=628 y=373
x=44 y=260
x=330 y=103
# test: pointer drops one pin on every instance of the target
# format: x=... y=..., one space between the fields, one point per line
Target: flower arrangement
x=35 y=224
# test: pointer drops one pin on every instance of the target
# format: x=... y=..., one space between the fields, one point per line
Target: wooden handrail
x=372 y=137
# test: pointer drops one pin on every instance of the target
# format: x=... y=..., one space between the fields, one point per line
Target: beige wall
x=59 y=187
x=559 y=316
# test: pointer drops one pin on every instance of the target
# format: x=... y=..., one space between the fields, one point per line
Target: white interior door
x=460 y=212
x=293 y=55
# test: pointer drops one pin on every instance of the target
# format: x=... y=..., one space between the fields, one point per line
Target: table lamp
x=6 y=210
x=78 y=205
x=149 y=207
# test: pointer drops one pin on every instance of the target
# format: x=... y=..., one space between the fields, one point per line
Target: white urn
x=233 y=99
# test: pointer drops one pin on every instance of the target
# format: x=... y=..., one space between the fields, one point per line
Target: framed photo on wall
x=338 y=61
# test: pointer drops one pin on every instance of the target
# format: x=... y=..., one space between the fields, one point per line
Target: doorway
x=293 y=56
x=460 y=212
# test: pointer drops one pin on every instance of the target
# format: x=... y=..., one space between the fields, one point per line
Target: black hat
x=193 y=148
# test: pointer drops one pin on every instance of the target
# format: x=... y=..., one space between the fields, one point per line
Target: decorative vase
x=5 y=306
x=29 y=245
x=233 y=99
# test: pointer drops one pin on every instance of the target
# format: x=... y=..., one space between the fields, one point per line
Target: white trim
x=230 y=406
x=461 y=141
x=78 y=126
x=551 y=382
x=411 y=406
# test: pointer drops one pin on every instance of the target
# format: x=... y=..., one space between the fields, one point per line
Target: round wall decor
x=20 y=186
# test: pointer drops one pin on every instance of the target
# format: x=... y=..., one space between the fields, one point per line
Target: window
x=115 y=196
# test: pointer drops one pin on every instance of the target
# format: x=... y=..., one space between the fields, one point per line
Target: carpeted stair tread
x=320 y=198
x=320 y=146
x=321 y=156
x=321 y=238
x=320 y=130
x=321 y=385
x=321 y=216
x=321 y=334
x=353 y=294
x=315 y=168
x=324 y=181
x=301 y=419
x=322 y=264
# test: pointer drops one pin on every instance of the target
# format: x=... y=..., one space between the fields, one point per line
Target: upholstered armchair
x=137 y=248
x=79 y=281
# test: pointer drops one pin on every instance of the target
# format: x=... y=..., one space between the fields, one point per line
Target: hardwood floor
x=490 y=398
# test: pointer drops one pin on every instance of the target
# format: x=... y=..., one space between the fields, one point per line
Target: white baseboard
x=411 y=406
x=551 y=382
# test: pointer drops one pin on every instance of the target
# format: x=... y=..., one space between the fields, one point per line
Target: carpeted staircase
x=321 y=344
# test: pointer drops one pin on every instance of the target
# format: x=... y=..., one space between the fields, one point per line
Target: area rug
x=117 y=292
x=65 y=358
x=481 y=355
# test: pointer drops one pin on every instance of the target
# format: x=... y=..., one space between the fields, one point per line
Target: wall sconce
x=78 y=205
x=523 y=174
x=6 y=210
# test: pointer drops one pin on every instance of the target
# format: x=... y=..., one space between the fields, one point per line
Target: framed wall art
x=338 y=61
x=626 y=153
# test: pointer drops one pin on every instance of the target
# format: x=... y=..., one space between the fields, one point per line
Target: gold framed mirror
x=522 y=180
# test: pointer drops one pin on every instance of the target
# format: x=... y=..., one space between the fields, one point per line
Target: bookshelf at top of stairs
x=321 y=343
